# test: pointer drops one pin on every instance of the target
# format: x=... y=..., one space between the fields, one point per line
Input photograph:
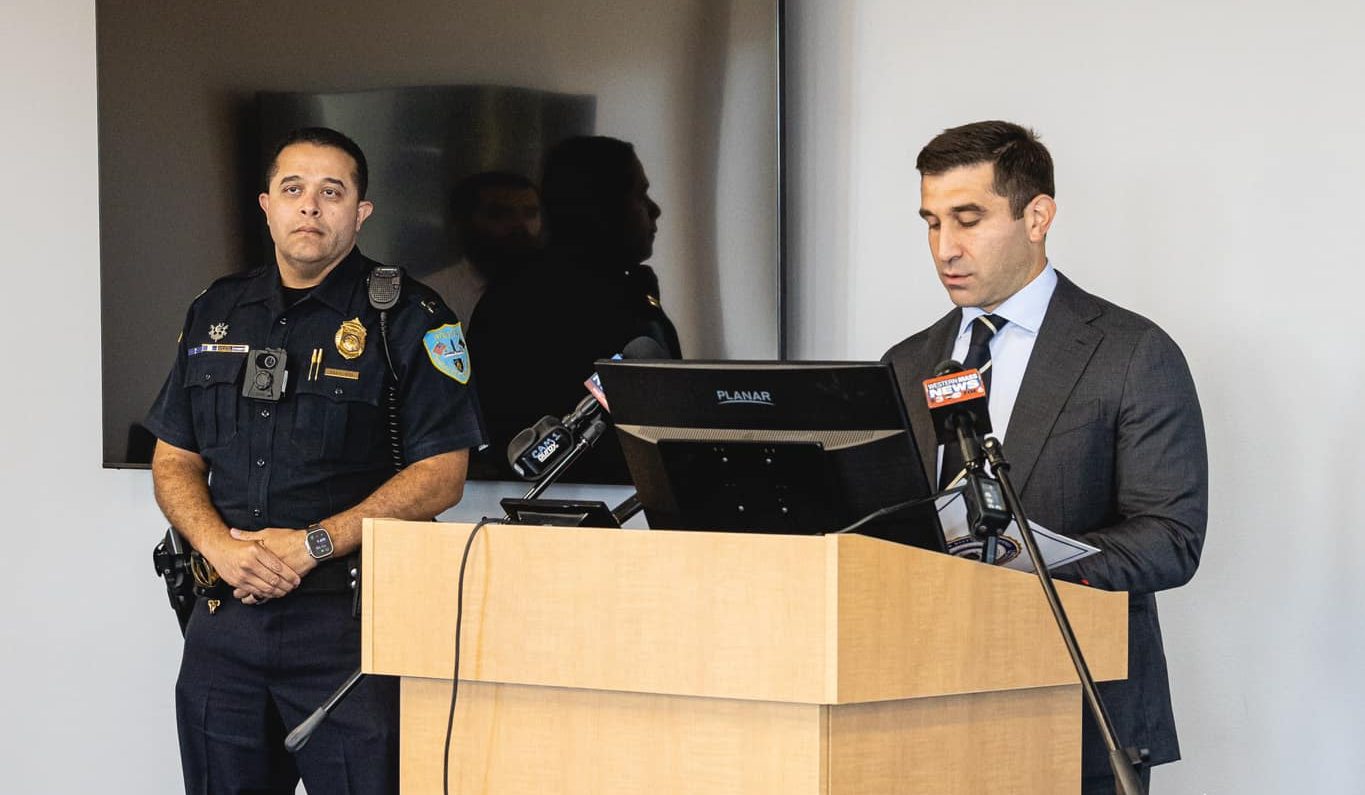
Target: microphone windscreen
x=644 y=348
x=524 y=440
x=947 y=366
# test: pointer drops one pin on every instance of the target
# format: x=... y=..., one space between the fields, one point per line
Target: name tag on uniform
x=217 y=347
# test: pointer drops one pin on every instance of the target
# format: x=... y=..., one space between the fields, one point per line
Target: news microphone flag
x=957 y=394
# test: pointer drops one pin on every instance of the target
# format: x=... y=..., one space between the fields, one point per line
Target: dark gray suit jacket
x=1106 y=444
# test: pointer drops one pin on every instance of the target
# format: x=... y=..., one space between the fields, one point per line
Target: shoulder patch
x=447 y=350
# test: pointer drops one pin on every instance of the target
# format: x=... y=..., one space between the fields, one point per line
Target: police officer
x=273 y=443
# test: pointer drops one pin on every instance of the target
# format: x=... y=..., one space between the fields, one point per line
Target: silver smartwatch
x=319 y=543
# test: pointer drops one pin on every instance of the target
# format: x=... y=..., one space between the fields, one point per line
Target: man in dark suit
x=1098 y=411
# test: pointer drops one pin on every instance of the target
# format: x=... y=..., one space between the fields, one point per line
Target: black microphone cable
x=459 y=620
x=880 y=513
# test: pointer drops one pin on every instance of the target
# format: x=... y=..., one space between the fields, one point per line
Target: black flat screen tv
x=192 y=98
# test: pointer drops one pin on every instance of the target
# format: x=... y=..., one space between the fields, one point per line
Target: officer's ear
x=362 y=211
x=264 y=201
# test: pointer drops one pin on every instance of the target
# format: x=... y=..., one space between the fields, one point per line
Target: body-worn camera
x=265 y=374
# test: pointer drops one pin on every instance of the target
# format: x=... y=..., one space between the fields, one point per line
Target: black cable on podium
x=891 y=510
x=459 y=622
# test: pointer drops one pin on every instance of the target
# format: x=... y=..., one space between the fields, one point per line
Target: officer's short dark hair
x=464 y=200
x=581 y=175
x=1023 y=166
x=322 y=136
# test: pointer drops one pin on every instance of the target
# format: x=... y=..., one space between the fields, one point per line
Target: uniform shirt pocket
x=212 y=381
x=337 y=419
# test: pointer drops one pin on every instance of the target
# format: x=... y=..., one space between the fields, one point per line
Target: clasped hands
x=262 y=564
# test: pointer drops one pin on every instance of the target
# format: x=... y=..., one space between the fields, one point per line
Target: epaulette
x=422 y=297
x=239 y=276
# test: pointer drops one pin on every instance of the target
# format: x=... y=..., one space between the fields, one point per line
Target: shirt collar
x=335 y=290
x=1025 y=308
x=339 y=287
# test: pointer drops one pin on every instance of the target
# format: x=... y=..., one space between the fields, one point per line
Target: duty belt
x=332 y=577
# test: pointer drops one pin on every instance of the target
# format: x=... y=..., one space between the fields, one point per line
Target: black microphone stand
x=304 y=731
x=984 y=516
x=1120 y=760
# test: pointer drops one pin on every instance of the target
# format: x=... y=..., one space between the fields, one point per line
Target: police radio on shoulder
x=385 y=286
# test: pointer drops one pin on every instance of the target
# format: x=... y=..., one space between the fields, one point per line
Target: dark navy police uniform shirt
x=325 y=445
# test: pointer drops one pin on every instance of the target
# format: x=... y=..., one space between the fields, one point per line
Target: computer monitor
x=770 y=447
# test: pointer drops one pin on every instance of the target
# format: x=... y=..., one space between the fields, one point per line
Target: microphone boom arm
x=1120 y=760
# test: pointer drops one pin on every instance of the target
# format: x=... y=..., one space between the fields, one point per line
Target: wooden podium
x=626 y=661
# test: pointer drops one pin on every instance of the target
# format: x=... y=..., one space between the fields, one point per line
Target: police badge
x=350 y=339
x=447 y=350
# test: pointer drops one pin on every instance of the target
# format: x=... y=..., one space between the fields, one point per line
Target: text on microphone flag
x=946 y=390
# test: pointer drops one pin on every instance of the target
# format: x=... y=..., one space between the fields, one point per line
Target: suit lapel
x=1065 y=344
x=938 y=345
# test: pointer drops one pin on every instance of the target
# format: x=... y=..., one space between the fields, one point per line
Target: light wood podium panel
x=619 y=661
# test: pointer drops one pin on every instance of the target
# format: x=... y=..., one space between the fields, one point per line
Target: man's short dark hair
x=582 y=177
x=465 y=198
x=323 y=136
x=1023 y=166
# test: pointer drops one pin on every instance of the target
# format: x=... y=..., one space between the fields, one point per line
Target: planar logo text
x=752 y=397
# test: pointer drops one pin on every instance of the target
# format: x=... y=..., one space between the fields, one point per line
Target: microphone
x=537 y=449
x=957 y=399
x=299 y=737
x=534 y=451
x=642 y=347
x=960 y=411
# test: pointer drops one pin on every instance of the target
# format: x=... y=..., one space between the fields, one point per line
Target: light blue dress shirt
x=1011 y=348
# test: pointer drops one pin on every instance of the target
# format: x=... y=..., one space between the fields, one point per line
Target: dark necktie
x=979 y=359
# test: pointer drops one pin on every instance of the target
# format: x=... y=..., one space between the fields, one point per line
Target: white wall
x=1210 y=163
x=1209 y=172
x=88 y=652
